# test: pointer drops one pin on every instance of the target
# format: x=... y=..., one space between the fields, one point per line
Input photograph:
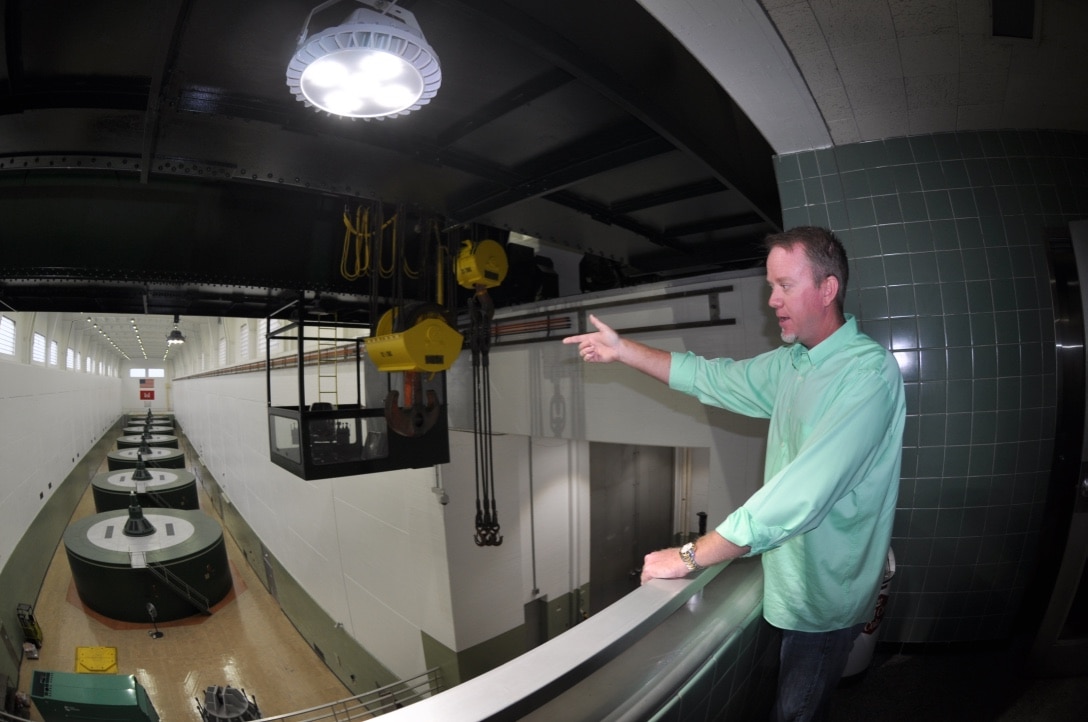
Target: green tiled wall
x=736 y=683
x=948 y=271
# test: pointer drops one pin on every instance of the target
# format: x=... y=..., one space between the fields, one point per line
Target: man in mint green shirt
x=822 y=520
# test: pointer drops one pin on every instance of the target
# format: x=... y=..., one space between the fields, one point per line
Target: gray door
x=631 y=497
x=269 y=573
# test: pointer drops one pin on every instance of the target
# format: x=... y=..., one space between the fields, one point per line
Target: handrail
x=375 y=702
x=517 y=687
x=180 y=586
x=160 y=501
x=586 y=674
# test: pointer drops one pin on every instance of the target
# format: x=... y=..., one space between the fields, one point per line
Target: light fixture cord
x=379 y=5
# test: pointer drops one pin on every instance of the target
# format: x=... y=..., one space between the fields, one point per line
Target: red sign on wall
x=147 y=395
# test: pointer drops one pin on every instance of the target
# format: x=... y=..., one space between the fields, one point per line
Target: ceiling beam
x=655 y=79
x=520 y=96
x=605 y=150
x=160 y=77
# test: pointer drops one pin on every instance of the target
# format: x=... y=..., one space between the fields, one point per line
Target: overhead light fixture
x=174 y=337
x=375 y=64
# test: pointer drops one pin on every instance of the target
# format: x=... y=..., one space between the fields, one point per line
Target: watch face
x=687 y=553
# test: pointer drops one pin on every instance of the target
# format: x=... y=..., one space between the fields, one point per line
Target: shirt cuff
x=739 y=528
x=682 y=371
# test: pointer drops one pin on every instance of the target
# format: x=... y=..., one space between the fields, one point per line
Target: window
x=70 y=360
x=156 y=373
x=243 y=343
x=262 y=333
x=79 y=361
x=52 y=353
x=222 y=351
x=7 y=336
x=37 y=349
x=90 y=365
x=277 y=341
x=137 y=373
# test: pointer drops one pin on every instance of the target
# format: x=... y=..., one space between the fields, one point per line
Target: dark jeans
x=811 y=664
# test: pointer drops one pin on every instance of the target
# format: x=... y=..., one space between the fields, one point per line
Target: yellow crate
x=96 y=660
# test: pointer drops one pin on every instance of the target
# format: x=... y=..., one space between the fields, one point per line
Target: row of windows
x=43 y=354
x=276 y=344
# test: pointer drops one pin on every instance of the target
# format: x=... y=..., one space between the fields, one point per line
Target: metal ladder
x=327 y=384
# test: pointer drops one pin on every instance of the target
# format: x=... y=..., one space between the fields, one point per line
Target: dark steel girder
x=720 y=223
x=518 y=97
x=603 y=151
x=159 y=81
x=668 y=195
x=604 y=214
x=697 y=116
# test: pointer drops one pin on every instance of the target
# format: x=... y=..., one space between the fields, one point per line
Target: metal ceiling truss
x=671 y=103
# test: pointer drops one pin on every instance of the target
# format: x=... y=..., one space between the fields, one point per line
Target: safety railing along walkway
x=159 y=500
x=180 y=587
x=369 y=704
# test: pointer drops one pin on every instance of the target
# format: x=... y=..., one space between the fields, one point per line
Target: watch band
x=687 y=554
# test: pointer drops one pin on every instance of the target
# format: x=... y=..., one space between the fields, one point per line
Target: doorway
x=1060 y=591
x=631 y=513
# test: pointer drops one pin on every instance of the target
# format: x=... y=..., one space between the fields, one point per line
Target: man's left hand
x=663 y=564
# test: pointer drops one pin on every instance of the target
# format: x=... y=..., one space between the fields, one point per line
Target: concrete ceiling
x=814 y=73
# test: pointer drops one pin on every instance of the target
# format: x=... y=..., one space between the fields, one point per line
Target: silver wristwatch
x=687 y=553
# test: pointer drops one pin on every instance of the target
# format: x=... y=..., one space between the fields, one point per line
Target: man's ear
x=829 y=290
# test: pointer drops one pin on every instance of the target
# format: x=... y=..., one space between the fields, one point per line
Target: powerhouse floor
x=247 y=643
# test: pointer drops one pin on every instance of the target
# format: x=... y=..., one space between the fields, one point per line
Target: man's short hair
x=825 y=253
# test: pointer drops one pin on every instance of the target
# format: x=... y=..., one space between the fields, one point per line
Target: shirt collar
x=842 y=335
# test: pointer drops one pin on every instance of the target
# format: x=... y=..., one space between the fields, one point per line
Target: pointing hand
x=600 y=346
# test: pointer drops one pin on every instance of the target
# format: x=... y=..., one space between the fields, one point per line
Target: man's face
x=798 y=302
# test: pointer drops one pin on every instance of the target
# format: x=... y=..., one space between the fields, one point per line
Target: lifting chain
x=481 y=311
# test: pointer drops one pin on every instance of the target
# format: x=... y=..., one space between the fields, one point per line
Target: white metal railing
x=511 y=689
x=369 y=704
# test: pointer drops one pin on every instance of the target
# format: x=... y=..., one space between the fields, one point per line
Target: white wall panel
x=49 y=419
x=385 y=633
x=556 y=524
x=486 y=581
x=354 y=544
x=391 y=541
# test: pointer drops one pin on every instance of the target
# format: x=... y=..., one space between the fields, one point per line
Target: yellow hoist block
x=430 y=345
x=481 y=264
